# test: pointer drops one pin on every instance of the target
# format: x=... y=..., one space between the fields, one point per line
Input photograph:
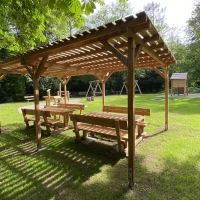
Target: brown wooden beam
x=166 y=72
x=153 y=38
x=2 y=76
x=158 y=71
x=118 y=54
x=40 y=68
x=105 y=33
x=131 y=111
x=37 y=112
x=128 y=33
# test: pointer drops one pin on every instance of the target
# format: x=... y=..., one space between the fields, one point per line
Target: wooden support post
x=64 y=81
x=60 y=90
x=166 y=71
x=48 y=97
x=103 y=93
x=37 y=112
x=65 y=92
x=131 y=111
x=103 y=80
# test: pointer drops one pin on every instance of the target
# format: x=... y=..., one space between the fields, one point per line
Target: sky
x=177 y=11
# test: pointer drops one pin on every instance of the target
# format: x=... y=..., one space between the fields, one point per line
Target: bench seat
x=29 y=98
x=45 y=119
x=113 y=128
x=106 y=131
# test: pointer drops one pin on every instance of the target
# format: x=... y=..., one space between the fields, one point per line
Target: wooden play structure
x=64 y=94
x=57 y=99
x=94 y=86
x=129 y=44
x=125 y=86
x=179 y=83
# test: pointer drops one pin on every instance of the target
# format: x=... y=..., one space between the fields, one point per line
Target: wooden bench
x=81 y=94
x=138 y=111
x=116 y=129
x=29 y=98
x=45 y=119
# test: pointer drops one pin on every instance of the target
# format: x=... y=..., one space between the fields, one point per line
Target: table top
x=52 y=97
x=113 y=116
x=58 y=110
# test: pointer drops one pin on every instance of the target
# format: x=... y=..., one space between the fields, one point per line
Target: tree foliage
x=157 y=15
x=192 y=59
x=26 y=24
x=106 y=14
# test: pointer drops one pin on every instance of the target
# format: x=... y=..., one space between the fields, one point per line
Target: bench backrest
x=99 y=121
x=28 y=111
x=120 y=109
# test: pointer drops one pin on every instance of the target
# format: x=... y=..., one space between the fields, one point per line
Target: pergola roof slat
x=85 y=52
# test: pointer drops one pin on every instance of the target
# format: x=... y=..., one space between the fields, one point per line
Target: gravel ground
x=190 y=95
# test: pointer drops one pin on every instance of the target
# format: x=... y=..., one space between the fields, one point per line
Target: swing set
x=125 y=86
x=94 y=85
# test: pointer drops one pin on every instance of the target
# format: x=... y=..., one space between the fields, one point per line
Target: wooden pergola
x=126 y=44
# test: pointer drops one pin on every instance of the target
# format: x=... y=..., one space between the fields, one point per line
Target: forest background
x=41 y=22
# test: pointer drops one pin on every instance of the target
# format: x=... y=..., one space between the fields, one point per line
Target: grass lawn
x=167 y=163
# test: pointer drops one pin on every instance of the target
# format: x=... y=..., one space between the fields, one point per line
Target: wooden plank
x=119 y=138
x=121 y=109
x=158 y=71
x=127 y=32
x=131 y=111
x=119 y=55
x=41 y=66
x=166 y=71
x=2 y=76
x=88 y=38
x=37 y=112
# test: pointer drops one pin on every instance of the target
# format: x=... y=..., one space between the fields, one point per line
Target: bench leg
x=48 y=129
x=85 y=134
x=78 y=138
x=141 y=129
x=55 y=127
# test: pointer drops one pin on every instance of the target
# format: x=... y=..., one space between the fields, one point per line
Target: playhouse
x=179 y=83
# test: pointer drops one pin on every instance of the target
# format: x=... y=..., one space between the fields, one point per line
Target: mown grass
x=167 y=162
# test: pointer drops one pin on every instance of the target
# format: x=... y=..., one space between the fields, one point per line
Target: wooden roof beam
x=128 y=33
x=159 y=72
x=2 y=76
x=117 y=53
x=152 y=38
x=87 y=53
x=105 y=33
x=41 y=68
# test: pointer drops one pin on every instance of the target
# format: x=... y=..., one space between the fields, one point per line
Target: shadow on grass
x=64 y=169
x=62 y=166
x=155 y=134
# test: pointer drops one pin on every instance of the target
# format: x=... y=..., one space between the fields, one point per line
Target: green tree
x=157 y=16
x=192 y=59
x=106 y=14
x=24 y=24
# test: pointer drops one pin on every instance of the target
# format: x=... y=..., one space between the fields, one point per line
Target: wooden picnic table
x=60 y=112
x=116 y=116
x=56 y=99
x=107 y=124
